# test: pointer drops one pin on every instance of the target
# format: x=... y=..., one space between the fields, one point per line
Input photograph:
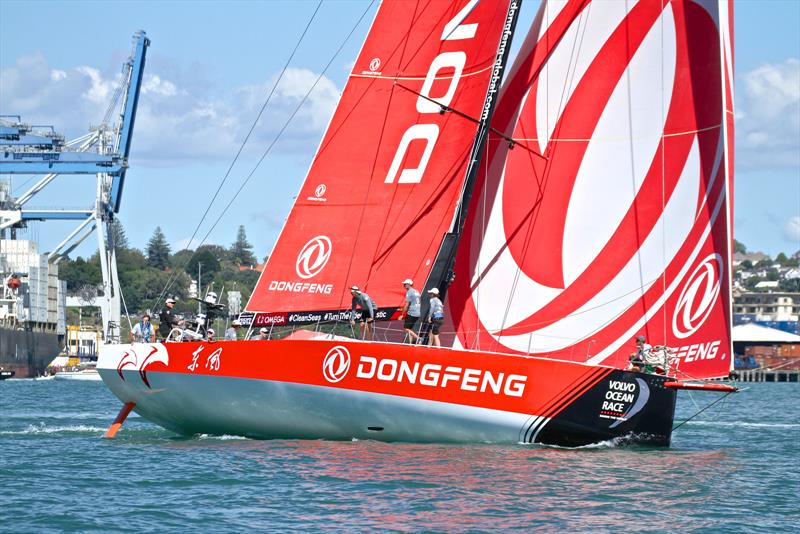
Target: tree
x=791 y=284
x=79 y=273
x=782 y=259
x=738 y=246
x=242 y=250
x=210 y=263
x=158 y=250
x=180 y=259
x=118 y=237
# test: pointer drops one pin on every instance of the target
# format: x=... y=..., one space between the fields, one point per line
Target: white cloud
x=768 y=116
x=179 y=118
x=155 y=85
x=791 y=229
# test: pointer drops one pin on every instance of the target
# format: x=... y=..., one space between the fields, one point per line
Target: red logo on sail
x=313 y=257
x=336 y=364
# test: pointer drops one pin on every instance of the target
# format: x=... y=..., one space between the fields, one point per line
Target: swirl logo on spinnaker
x=336 y=364
x=698 y=297
x=313 y=257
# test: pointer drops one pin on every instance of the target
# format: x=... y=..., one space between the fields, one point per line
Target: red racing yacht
x=563 y=205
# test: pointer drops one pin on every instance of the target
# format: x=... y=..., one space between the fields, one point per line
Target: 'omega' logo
x=698 y=297
x=336 y=364
x=313 y=257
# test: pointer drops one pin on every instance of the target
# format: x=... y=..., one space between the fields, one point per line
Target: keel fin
x=121 y=416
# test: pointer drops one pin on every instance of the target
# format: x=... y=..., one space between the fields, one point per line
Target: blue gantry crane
x=104 y=151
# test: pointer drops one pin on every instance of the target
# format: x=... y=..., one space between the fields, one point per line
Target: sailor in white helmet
x=363 y=301
x=411 y=311
x=435 y=316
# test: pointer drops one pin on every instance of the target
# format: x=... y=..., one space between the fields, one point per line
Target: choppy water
x=735 y=468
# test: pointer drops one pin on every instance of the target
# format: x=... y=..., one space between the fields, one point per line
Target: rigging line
x=676 y=427
x=241 y=148
x=280 y=132
x=512 y=142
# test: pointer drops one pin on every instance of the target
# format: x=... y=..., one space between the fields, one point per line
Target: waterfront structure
x=32 y=309
x=774 y=309
x=31 y=149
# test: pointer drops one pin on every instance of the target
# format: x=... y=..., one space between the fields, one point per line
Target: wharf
x=767 y=375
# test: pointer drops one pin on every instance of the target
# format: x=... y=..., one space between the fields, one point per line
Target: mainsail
x=382 y=189
x=615 y=219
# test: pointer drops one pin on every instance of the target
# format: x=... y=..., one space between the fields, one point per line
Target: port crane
x=31 y=149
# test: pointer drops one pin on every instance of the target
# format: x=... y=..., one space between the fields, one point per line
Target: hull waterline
x=327 y=389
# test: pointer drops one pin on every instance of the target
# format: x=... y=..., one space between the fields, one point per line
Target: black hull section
x=624 y=407
x=27 y=353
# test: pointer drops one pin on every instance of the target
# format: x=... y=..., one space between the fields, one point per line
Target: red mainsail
x=615 y=220
x=381 y=192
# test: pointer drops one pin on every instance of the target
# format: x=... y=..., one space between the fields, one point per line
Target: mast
x=442 y=272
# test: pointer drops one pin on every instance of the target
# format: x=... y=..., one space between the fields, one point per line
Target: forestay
x=618 y=223
x=383 y=186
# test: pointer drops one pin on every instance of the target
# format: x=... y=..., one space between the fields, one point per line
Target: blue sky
x=211 y=63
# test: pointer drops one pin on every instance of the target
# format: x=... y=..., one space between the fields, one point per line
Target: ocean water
x=734 y=468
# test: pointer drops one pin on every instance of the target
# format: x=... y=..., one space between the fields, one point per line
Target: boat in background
x=592 y=207
x=89 y=373
x=32 y=307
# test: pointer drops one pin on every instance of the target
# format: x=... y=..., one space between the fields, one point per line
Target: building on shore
x=773 y=309
x=761 y=347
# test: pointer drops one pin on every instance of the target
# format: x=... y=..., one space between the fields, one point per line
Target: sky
x=211 y=64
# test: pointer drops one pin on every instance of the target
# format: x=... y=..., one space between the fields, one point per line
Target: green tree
x=158 y=250
x=208 y=260
x=242 y=250
x=79 y=273
x=782 y=259
x=791 y=284
x=180 y=259
x=118 y=237
x=738 y=246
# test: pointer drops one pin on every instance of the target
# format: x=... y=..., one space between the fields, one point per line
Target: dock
x=768 y=375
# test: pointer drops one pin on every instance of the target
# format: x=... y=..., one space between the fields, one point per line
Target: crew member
x=411 y=311
x=263 y=334
x=167 y=319
x=363 y=301
x=143 y=331
x=639 y=358
x=210 y=335
x=230 y=333
x=435 y=316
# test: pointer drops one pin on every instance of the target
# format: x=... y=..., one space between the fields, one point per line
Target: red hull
x=537 y=400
